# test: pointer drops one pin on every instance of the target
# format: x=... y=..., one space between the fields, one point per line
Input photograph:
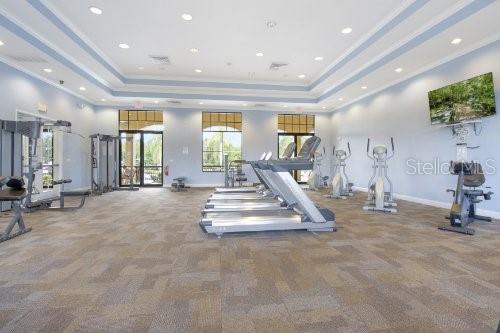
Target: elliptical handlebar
x=392 y=146
x=348 y=149
x=368 y=150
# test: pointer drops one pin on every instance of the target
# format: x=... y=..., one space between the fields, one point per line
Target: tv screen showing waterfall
x=462 y=101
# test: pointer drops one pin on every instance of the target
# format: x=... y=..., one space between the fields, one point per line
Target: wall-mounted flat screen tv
x=465 y=100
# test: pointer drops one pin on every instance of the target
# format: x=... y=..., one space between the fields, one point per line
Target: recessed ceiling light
x=1 y=43
x=198 y=70
x=186 y=17
x=245 y=104
x=201 y=103
x=83 y=88
x=259 y=54
x=318 y=58
x=103 y=99
x=124 y=46
x=194 y=50
x=285 y=106
x=47 y=70
x=95 y=10
x=364 y=87
x=456 y=41
x=341 y=99
x=156 y=102
x=140 y=67
x=301 y=76
x=324 y=107
x=346 y=30
x=398 y=70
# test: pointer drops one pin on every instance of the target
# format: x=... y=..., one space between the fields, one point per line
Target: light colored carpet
x=139 y=262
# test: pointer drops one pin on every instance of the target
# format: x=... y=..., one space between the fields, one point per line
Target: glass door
x=130 y=158
x=152 y=158
x=302 y=175
x=141 y=158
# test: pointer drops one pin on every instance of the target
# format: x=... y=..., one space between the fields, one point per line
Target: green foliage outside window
x=221 y=135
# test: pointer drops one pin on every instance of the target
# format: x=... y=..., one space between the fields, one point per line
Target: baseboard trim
x=197 y=185
x=433 y=203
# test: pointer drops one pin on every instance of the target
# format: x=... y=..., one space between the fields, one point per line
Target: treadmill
x=300 y=212
x=287 y=154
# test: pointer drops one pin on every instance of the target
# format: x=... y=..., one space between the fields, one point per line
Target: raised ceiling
x=83 y=49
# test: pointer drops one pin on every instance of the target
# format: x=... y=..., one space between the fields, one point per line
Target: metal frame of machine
x=287 y=208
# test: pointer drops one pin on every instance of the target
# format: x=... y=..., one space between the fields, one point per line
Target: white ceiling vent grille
x=28 y=59
x=160 y=59
x=260 y=105
x=277 y=65
x=175 y=102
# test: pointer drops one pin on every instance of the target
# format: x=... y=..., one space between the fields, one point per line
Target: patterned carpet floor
x=138 y=262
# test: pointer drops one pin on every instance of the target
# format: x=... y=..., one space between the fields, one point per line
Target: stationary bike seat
x=62 y=181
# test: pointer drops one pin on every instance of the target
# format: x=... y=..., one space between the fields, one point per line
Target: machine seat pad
x=475 y=193
x=180 y=179
x=10 y=194
x=62 y=181
x=76 y=193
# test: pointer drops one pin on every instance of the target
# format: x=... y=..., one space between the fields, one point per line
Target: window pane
x=123 y=115
x=141 y=115
x=310 y=120
x=132 y=115
x=212 y=159
x=303 y=119
x=214 y=117
x=159 y=116
x=281 y=118
x=212 y=141
x=124 y=125
x=237 y=117
x=230 y=117
x=206 y=117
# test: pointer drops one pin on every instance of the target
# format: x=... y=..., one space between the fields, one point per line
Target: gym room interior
x=249 y=166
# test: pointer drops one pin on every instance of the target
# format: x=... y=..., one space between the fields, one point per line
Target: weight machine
x=32 y=130
x=104 y=165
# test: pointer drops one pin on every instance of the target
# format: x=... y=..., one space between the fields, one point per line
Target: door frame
x=295 y=173
x=141 y=157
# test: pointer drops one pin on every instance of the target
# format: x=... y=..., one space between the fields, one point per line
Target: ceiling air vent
x=260 y=105
x=175 y=102
x=277 y=65
x=160 y=59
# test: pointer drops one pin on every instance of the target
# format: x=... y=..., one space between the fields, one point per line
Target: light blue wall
x=19 y=91
x=402 y=111
x=183 y=129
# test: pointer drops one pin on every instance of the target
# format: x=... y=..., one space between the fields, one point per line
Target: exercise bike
x=316 y=180
x=340 y=185
x=380 y=198
x=466 y=196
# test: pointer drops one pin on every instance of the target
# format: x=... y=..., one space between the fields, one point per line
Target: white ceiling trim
x=52 y=46
x=367 y=36
x=41 y=78
x=402 y=42
x=80 y=34
x=456 y=55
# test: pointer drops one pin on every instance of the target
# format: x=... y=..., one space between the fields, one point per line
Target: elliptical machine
x=380 y=198
x=341 y=187
x=316 y=180
x=466 y=195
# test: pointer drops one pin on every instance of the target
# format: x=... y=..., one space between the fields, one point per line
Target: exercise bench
x=15 y=197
